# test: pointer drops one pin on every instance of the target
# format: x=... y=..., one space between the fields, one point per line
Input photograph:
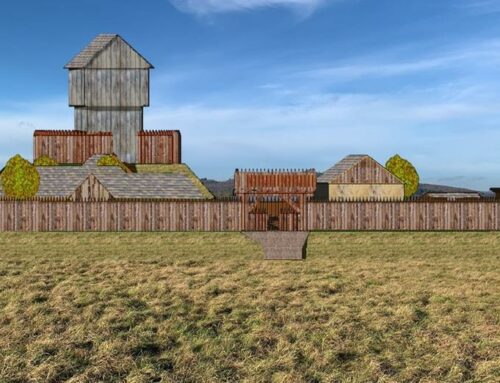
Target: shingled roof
x=94 y=48
x=159 y=185
x=82 y=59
x=62 y=181
x=341 y=167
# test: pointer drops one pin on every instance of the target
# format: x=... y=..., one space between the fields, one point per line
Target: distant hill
x=431 y=188
x=220 y=189
x=223 y=189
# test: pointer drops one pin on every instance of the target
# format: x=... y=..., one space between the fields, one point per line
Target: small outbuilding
x=91 y=182
x=496 y=191
x=452 y=196
x=358 y=176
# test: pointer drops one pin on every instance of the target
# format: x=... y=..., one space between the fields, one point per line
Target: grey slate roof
x=82 y=59
x=61 y=181
x=149 y=185
x=341 y=167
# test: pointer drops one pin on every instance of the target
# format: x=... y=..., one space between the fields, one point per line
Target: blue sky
x=279 y=83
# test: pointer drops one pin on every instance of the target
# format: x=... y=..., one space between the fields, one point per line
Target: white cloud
x=442 y=138
x=204 y=7
x=449 y=128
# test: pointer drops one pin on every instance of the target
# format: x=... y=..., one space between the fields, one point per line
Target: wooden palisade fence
x=62 y=215
x=71 y=146
x=231 y=215
x=404 y=215
x=159 y=147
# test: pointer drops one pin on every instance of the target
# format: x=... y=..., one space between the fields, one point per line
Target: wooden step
x=281 y=245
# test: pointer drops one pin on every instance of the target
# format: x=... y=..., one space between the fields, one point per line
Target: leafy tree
x=20 y=179
x=406 y=172
x=112 y=160
x=45 y=161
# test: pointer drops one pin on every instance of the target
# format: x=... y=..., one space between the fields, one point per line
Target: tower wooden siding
x=159 y=147
x=70 y=146
x=124 y=124
x=109 y=87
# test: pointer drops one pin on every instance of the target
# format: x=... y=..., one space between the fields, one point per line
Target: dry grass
x=180 y=307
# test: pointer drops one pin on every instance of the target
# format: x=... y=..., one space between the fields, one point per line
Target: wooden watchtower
x=109 y=87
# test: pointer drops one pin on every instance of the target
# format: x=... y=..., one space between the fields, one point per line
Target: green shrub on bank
x=406 y=172
x=112 y=160
x=20 y=179
x=45 y=161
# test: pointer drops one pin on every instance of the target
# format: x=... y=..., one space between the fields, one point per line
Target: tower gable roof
x=120 y=55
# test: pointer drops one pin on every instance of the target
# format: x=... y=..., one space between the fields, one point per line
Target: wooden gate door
x=273 y=216
x=289 y=221
x=257 y=221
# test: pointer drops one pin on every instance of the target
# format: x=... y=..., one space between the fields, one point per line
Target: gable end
x=91 y=189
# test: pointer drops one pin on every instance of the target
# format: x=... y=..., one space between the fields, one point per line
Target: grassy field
x=179 y=307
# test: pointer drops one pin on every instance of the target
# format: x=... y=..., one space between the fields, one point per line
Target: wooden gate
x=272 y=216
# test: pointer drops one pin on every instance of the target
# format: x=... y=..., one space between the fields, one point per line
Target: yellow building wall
x=366 y=191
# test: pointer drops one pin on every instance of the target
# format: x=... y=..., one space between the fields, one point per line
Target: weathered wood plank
x=40 y=215
x=70 y=147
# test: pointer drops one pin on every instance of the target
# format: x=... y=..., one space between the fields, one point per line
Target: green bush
x=20 y=179
x=112 y=160
x=406 y=172
x=45 y=161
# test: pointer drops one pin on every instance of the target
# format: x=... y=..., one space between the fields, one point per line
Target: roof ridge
x=93 y=49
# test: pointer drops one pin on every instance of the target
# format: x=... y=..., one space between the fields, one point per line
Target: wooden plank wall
x=70 y=146
x=256 y=222
x=119 y=55
x=57 y=215
x=159 y=147
x=418 y=216
x=117 y=77
x=275 y=182
x=91 y=190
x=288 y=222
x=106 y=88
x=367 y=171
x=76 y=91
x=120 y=216
x=124 y=124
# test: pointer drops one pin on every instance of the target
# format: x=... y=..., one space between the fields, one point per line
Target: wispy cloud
x=442 y=138
x=481 y=7
x=19 y=120
x=379 y=66
x=205 y=7
x=306 y=115
x=296 y=116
